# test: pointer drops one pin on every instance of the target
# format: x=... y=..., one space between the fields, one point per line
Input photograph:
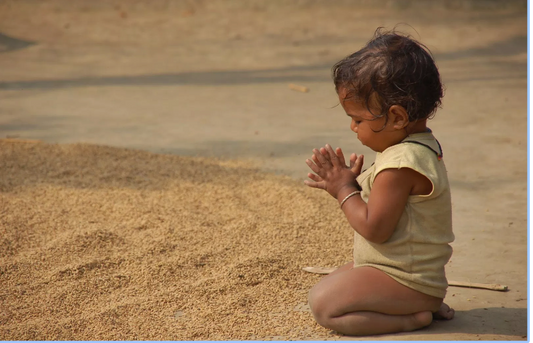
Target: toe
x=444 y=312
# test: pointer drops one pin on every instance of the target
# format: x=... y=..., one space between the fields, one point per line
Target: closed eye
x=356 y=120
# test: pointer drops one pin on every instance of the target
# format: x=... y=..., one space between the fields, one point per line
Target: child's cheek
x=361 y=138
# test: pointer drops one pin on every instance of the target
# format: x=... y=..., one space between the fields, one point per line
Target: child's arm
x=376 y=220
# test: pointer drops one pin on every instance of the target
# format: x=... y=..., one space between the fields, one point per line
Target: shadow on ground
x=312 y=73
x=483 y=321
x=8 y=44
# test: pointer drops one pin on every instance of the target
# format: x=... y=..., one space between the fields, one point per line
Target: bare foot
x=444 y=312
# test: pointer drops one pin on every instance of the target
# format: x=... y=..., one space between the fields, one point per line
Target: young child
x=400 y=207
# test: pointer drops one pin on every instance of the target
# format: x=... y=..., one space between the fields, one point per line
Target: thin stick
x=298 y=88
x=319 y=270
x=492 y=287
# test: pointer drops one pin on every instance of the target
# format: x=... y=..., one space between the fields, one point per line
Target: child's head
x=392 y=69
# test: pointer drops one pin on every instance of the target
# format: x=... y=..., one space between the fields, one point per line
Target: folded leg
x=366 y=301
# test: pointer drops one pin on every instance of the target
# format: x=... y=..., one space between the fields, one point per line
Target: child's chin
x=373 y=148
x=368 y=146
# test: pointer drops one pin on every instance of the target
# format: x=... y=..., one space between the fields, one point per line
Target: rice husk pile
x=101 y=243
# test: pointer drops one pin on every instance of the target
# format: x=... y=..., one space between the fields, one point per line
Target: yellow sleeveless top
x=419 y=248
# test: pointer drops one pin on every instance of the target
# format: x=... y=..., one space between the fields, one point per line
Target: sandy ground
x=106 y=243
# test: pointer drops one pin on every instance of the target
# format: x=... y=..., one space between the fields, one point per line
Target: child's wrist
x=345 y=191
x=354 y=193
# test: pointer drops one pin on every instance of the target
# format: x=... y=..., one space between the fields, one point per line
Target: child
x=400 y=207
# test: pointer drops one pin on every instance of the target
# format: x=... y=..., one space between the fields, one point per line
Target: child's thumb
x=357 y=164
x=353 y=158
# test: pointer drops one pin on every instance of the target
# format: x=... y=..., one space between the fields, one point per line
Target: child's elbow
x=376 y=239
x=377 y=236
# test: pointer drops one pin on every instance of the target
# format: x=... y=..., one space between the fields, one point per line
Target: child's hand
x=332 y=174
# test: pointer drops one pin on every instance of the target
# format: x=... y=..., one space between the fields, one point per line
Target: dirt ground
x=165 y=202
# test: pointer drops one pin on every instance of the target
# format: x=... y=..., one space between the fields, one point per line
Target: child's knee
x=314 y=299
x=319 y=305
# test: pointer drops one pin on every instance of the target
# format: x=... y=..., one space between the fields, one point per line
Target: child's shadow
x=489 y=320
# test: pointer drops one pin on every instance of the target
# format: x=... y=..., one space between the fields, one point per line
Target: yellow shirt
x=419 y=248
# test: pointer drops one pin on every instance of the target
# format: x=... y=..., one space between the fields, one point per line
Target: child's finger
x=333 y=158
x=353 y=157
x=313 y=184
x=319 y=164
x=341 y=156
x=358 y=165
x=313 y=166
x=319 y=157
x=314 y=177
x=325 y=153
x=315 y=159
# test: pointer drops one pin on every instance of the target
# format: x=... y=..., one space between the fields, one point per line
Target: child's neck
x=400 y=135
x=416 y=127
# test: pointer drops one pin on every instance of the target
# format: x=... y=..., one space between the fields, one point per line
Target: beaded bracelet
x=349 y=196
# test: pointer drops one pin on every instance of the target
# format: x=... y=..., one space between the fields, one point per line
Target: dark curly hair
x=392 y=69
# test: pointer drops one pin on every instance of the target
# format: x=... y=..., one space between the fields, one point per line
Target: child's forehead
x=347 y=94
x=352 y=105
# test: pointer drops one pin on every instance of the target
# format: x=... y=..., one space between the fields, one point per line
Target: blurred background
x=212 y=78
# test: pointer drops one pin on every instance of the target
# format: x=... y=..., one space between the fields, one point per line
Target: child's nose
x=354 y=126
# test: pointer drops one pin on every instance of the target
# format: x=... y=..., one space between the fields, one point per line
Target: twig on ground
x=492 y=287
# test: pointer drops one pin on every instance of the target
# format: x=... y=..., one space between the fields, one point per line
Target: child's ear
x=399 y=117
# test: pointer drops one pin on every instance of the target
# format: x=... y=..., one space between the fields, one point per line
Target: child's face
x=371 y=131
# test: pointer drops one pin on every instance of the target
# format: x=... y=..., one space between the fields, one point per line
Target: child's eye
x=357 y=121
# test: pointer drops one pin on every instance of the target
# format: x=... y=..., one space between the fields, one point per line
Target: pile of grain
x=100 y=243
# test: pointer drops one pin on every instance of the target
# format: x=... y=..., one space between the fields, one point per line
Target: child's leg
x=366 y=301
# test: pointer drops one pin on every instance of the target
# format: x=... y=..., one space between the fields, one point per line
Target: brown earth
x=101 y=242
